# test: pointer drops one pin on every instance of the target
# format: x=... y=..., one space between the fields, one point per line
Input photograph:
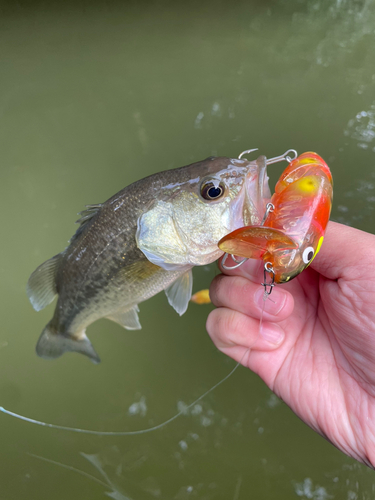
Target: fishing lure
x=292 y=231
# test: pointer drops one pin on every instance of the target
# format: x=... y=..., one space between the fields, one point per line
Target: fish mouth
x=257 y=193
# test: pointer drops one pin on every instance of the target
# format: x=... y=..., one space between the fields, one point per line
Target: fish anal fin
x=128 y=319
x=52 y=344
x=41 y=287
x=179 y=292
x=253 y=241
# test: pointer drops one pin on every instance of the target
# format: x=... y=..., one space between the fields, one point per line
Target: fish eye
x=212 y=190
x=308 y=254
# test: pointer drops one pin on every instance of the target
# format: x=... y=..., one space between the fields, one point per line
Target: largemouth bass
x=143 y=240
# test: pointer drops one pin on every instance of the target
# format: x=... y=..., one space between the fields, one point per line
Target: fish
x=144 y=239
x=293 y=231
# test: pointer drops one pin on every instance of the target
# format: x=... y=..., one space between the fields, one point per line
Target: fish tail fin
x=52 y=344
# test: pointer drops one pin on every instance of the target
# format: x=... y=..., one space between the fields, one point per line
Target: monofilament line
x=70 y=467
x=122 y=433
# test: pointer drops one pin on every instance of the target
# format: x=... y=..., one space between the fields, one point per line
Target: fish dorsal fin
x=253 y=241
x=88 y=213
x=179 y=292
x=86 y=216
x=41 y=287
x=128 y=319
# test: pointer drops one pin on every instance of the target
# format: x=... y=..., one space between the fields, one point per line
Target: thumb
x=346 y=253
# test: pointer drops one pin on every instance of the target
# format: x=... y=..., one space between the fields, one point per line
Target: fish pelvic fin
x=179 y=292
x=41 y=287
x=52 y=344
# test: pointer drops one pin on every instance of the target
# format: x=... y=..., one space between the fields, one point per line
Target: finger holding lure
x=293 y=228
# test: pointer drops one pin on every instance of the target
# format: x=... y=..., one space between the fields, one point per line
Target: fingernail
x=272 y=333
x=273 y=304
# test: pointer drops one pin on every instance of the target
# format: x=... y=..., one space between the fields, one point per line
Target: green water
x=95 y=95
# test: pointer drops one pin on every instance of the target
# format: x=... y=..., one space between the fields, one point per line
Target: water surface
x=94 y=96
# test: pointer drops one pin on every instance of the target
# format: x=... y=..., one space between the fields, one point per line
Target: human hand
x=316 y=348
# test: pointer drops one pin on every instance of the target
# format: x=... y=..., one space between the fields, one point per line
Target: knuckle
x=225 y=321
x=231 y=291
x=234 y=323
x=210 y=323
x=234 y=292
x=219 y=325
x=217 y=289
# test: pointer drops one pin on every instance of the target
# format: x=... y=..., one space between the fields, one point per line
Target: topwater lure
x=293 y=229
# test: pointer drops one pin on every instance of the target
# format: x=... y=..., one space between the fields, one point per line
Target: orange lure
x=293 y=231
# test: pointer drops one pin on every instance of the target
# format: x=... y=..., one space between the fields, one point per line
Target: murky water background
x=94 y=96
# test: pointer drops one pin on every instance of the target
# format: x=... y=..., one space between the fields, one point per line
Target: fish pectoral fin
x=253 y=241
x=52 y=344
x=41 y=287
x=179 y=292
x=128 y=319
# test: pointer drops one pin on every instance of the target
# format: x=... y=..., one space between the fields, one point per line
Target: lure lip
x=263 y=239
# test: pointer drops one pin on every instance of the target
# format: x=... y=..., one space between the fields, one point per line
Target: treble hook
x=246 y=152
x=270 y=207
x=228 y=268
x=283 y=157
x=268 y=269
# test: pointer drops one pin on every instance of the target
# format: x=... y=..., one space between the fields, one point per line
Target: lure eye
x=308 y=254
x=212 y=190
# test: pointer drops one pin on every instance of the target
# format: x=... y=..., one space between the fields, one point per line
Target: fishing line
x=125 y=433
x=265 y=296
x=70 y=467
